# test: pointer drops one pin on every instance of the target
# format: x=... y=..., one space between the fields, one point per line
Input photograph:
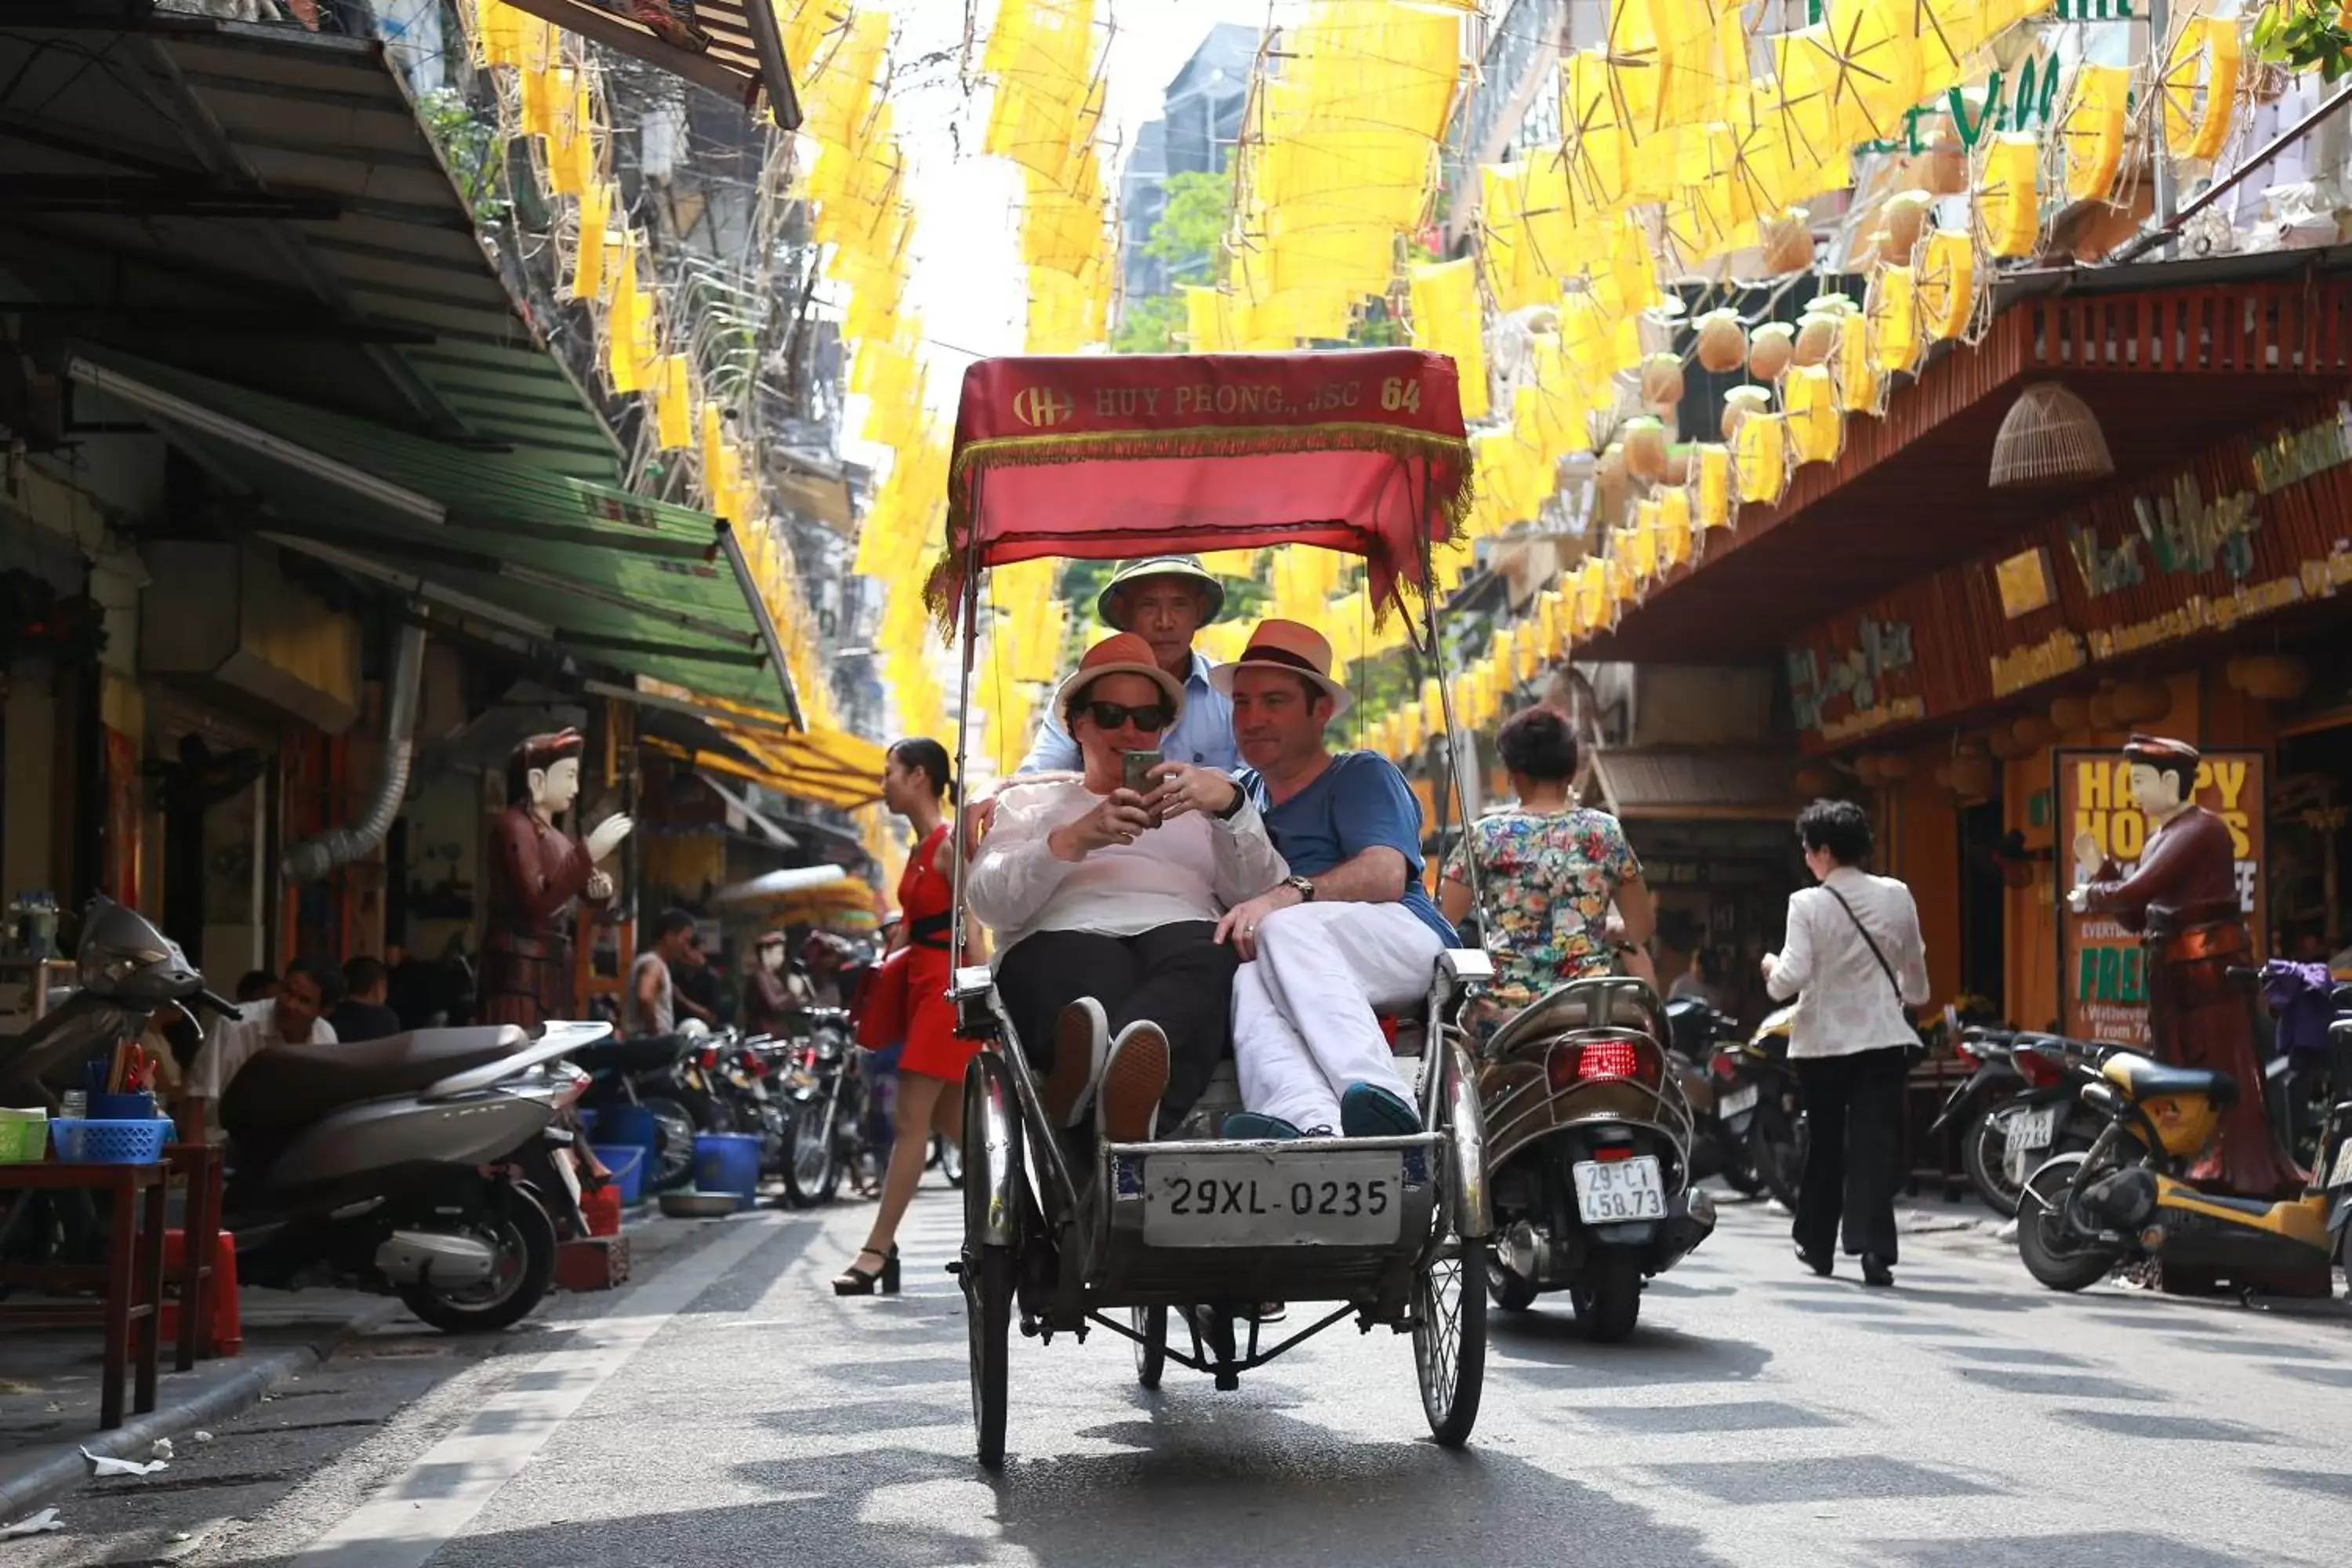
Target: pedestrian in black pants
x=1854 y=956
x=1177 y=976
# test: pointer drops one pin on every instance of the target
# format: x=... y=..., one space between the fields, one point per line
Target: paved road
x=728 y=1411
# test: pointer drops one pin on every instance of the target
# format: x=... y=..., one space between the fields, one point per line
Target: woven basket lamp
x=2050 y=436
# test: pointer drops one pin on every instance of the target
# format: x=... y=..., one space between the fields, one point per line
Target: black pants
x=1853 y=1109
x=1178 y=977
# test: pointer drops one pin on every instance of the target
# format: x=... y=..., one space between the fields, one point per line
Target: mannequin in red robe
x=2183 y=900
x=536 y=871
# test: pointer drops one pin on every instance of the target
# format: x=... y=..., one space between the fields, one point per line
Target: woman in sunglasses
x=1104 y=890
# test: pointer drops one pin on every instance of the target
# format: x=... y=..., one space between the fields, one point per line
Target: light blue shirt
x=1204 y=736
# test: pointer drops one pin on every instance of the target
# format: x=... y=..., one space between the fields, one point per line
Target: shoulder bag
x=1914 y=1048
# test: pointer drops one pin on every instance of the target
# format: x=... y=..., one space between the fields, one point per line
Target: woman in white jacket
x=1104 y=901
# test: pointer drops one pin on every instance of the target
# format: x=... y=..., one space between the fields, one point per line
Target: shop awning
x=739 y=53
x=823 y=766
x=1696 y=784
x=757 y=823
x=262 y=202
x=587 y=570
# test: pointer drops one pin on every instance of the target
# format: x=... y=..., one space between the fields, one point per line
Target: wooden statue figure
x=536 y=871
x=2182 y=900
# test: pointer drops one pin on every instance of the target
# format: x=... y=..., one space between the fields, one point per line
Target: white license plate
x=1738 y=1102
x=1270 y=1200
x=2033 y=1128
x=2341 y=1173
x=1616 y=1191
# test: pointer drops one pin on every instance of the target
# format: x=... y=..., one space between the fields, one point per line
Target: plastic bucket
x=728 y=1162
x=628 y=1124
x=627 y=1164
x=588 y=1120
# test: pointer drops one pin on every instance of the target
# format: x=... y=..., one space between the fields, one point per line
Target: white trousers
x=1304 y=1027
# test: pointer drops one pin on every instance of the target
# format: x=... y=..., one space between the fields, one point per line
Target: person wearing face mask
x=769 y=999
x=1164 y=600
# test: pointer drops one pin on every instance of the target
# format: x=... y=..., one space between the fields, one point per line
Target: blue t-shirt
x=1360 y=800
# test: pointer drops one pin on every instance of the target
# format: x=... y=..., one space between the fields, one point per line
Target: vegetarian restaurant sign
x=2102 y=977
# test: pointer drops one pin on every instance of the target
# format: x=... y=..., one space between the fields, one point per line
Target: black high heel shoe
x=856 y=1281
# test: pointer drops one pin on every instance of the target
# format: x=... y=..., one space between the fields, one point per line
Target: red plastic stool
x=602 y=1210
x=220 y=1290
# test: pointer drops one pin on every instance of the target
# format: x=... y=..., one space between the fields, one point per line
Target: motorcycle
x=1759 y=1101
x=2020 y=1103
x=2124 y=1199
x=828 y=1094
x=740 y=1076
x=423 y=1166
x=669 y=1076
x=1589 y=1154
x=1697 y=1030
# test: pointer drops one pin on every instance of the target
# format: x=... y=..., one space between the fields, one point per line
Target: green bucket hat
x=1132 y=571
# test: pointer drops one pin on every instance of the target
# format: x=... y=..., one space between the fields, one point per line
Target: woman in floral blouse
x=1551 y=871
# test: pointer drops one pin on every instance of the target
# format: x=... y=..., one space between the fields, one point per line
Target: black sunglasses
x=1152 y=718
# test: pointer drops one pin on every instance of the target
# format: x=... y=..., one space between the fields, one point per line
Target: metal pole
x=2160 y=35
x=970 y=627
x=766 y=623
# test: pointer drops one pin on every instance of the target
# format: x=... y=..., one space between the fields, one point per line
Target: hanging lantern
x=2008 y=202
x=1662 y=381
x=2200 y=87
x=1722 y=345
x=1741 y=402
x=1905 y=218
x=1894 y=320
x=1860 y=386
x=2070 y=715
x=1678 y=464
x=1817 y=336
x=2049 y=436
x=1947 y=284
x=1788 y=243
x=1770 y=349
x=1713 y=465
x=1646 y=447
x=1762 y=446
x=2092 y=131
x=1816 y=429
x=2270 y=678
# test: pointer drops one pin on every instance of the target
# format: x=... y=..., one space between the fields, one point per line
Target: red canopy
x=1106 y=456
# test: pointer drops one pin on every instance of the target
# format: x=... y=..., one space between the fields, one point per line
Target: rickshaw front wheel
x=1150 y=1325
x=1449 y=1341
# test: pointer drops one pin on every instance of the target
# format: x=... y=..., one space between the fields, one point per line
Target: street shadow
x=1851 y=1478
x=2059 y=1385
x=1272 y=1489
x=2104 y=1549
x=1567 y=1358
x=2020 y=1355
x=744 y=1286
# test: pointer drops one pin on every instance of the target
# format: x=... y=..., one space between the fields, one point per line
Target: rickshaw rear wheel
x=988 y=1317
x=1449 y=1341
x=1151 y=1350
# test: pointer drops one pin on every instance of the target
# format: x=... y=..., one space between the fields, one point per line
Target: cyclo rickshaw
x=1360 y=451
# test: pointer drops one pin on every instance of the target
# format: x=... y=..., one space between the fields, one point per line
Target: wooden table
x=199 y=1167
x=131 y=1279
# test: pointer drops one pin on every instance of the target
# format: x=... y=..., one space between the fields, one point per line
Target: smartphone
x=1137 y=773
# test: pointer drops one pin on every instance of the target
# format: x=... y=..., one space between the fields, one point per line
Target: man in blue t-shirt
x=1350 y=932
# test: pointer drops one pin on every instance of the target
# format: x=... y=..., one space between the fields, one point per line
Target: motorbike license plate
x=1620 y=1190
x=2033 y=1128
x=2340 y=1174
x=1739 y=1102
x=1262 y=1200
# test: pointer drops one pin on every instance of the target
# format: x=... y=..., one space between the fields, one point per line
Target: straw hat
x=1289 y=646
x=1123 y=653
x=1129 y=572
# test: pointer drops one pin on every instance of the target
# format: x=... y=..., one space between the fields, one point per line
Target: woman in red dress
x=917 y=784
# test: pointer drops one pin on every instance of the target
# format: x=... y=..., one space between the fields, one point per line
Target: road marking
x=417 y=1513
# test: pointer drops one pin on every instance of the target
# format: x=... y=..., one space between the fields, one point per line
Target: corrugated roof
x=1695 y=783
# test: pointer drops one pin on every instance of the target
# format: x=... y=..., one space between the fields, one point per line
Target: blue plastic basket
x=108 y=1142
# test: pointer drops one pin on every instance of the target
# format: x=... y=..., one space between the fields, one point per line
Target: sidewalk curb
x=45 y=1480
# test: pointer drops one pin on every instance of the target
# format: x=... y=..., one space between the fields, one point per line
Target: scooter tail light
x=1967 y=1051
x=710 y=1058
x=2037 y=1069
x=1726 y=1065
x=1603 y=1059
x=1607 y=1060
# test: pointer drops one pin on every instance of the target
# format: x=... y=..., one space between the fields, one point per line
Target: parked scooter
x=1697 y=1032
x=423 y=1166
x=665 y=1076
x=1757 y=1099
x=1587 y=1153
x=2123 y=1199
x=2022 y=1103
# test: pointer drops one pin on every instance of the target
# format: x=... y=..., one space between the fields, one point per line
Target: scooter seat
x=1578 y=1005
x=286 y=1088
x=639 y=1053
x=2148 y=1079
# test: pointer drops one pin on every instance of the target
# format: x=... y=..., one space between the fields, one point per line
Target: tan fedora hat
x=1122 y=652
x=1291 y=645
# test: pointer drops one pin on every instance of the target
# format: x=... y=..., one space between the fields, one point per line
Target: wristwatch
x=1240 y=800
x=1302 y=887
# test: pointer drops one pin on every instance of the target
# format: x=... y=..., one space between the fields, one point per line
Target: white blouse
x=1846 y=1004
x=1191 y=868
